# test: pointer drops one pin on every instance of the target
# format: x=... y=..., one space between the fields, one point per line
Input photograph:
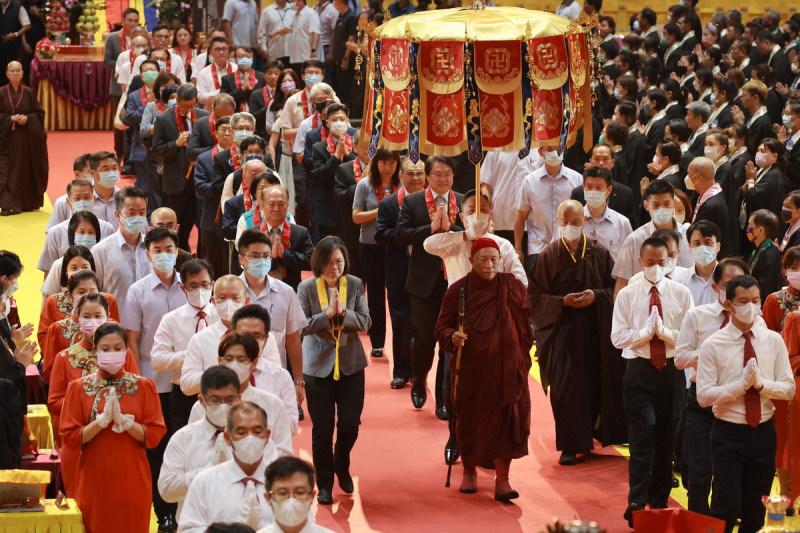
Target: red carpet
x=398 y=462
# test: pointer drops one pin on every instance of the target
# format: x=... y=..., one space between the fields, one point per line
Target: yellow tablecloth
x=62 y=115
x=51 y=520
x=40 y=426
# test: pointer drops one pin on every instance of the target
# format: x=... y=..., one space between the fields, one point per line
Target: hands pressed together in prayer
x=579 y=299
x=751 y=375
x=655 y=326
x=113 y=413
x=440 y=220
x=335 y=307
x=183 y=139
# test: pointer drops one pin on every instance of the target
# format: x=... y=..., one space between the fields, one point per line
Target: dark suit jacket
x=767 y=271
x=396 y=255
x=321 y=193
x=312 y=137
x=760 y=129
x=413 y=227
x=234 y=209
x=620 y=200
x=200 y=140
x=345 y=190
x=634 y=153
x=675 y=111
x=767 y=193
x=780 y=66
x=208 y=191
x=228 y=86
x=724 y=119
x=175 y=158
x=259 y=111
x=653 y=137
x=793 y=168
x=297 y=257
x=110 y=54
x=715 y=209
x=794 y=240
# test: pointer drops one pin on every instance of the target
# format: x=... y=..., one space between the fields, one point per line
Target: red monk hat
x=483 y=242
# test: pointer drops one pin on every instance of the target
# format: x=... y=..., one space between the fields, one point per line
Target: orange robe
x=787 y=414
x=113 y=487
x=778 y=305
x=74 y=363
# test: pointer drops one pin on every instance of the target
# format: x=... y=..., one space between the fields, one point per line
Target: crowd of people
x=658 y=274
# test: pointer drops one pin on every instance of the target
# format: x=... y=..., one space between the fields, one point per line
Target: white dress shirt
x=277 y=419
x=286 y=315
x=626 y=264
x=277 y=380
x=293 y=113
x=118 y=265
x=505 y=172
x=610 y=231
x=719 y=372
x=203 y=352
x=304 y=26
x=701 y=290
x=216 y=495
x=176 y=66
x=305 y=126
x=206 y=90
x=540 y=197
x=189 y=451
x=52 y=282
x=123 y=71
x=173 y=335
x=228 y=192
x=327 y=22
x=243 y=16
x=273 y=18
x=199 y=62
x=61 y=212
x=105 y=210
x=632 y=309
x=57 y=242
x=454 y=251
x=310 y=527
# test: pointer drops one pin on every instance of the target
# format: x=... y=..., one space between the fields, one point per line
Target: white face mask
x=662 y=216
x=227 y=308
x=654 y=273
x=689 y=183
x=712 y=152
x=468 y=220
x=553 y=158
x=199 y=297
x=242 y=370
x=570 y=233
x=671 y=264
x=217 y=414
x=291 y=512
x=595 y=198
x=338 y=128
x=704 y=255
x=680 y=217
x=747 y=313
x=250 y=449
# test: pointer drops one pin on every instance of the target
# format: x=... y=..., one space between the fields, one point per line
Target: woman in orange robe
x=787 y=417
x=779 y=304
x=74 y=363
x=113 y=486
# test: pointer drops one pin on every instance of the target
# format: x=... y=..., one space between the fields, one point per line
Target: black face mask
x=680 y=70
x=318 y=106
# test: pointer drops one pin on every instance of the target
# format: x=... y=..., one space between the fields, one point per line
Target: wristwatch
x=300 y=382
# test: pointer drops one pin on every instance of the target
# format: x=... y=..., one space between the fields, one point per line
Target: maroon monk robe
x=577 y=362
x=493 y=406
x=23 y=151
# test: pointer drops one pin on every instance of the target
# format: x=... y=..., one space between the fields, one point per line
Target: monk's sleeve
x=605 y=265
x=152 y=418
x=545 y=302
x=448 y=316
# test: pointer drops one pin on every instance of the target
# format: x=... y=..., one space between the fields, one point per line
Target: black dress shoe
x=377 y=352
x=300 y=414
x=418 y=397
x=568 y=459
x=167 y=525
x=325 y=497
x=346 y=482
x=675 y=482
x=635 y=506
x=441 y=412
x=398 y=383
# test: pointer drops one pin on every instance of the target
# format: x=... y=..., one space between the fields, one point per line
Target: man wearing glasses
x=210 y=78
x=290 y=478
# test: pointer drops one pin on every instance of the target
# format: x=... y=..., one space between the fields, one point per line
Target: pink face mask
x=89 y=325
x=111 y=362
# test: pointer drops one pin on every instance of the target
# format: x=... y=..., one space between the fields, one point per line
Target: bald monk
x=490 y=389
x=571 y=292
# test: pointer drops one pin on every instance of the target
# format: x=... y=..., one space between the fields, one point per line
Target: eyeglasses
x=169 y=225
x=194 y=287
x=283 y=494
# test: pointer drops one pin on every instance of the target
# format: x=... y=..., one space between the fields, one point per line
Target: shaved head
x=570 y=207
x=703 y=166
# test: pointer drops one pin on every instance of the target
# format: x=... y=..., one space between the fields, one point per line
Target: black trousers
x=743 y=460
x=180 y=407
x=148 y=179
x=373 y=261
x=400 y=314
x=334 y=403
x=185 y=205
x=424 y=313
x=653 y=402
x=697 y=453
x=155 y=456
x=215 y=251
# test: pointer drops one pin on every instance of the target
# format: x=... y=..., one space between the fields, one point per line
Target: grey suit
x=110 y=55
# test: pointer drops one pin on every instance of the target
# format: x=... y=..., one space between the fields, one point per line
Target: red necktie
x=252 y=380
x=244 y=480
x=201 y=315
x=752 y=398
x=727 y=318
x=658 y=350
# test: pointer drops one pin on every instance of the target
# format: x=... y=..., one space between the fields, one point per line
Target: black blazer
x=675 y=111
x=634 y=153
x=228 y=86
x=259 y=111
x=654 y=136
x=312 y=137
x=780 y=66
x=760 y=129
x=620 y=200
x=715 y=210
x=345 y=191
x=767 y=271
x=297 y=257
x=234 y=209
x=175 y=158
x=767 y=193
x=724 y=119
x=793 y=169
x=209 y=192
x=396 y=269
x=200 y=140
x=794 y=240
x=325 y=209
x=413 y=227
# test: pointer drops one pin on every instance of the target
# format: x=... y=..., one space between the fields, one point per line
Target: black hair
x=333 y=108
x=653 y=242
x=598 y=172
x=245 y=340
x=253 y=139
x=128 y=192
x=159 y=234
x=10 y=265
x=439 y=159
x=678 y=127
x=668 y=235
x=671 y=151
x=218 y=377
x=108 y=328
x=286 y=467
x=706 y=229
x=252 y=311
x=97 y=157
x=96 y=297
x=76 y=219
x=312 y=63
x=744 y=282
x=196 y=266
x=384 y=155
x=658 y=97
x=71 y=253
x=79 y=277
x=766 y=219
x=724 y=264
x=80 y=162
x=253 y=236
x=658 y=187
x=323 y=251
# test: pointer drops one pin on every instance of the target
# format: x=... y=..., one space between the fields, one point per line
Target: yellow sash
x=335 y=330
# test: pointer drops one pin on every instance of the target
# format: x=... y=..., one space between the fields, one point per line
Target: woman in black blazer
x=791 y=216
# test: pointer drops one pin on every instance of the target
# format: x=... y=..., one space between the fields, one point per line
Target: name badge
x=789 y=144
x=715 y=123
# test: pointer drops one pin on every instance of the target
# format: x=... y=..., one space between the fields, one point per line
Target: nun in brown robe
x=571 y=292
x=23 y=150
x=492 y=401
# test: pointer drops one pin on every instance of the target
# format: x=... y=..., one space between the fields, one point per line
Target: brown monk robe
x=571 y=292
x=23 y=150
x=492 y=400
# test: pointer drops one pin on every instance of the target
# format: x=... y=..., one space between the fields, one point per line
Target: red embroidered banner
x=395 y=117
x=441 y=66
x=497 y=66
x=547 y=114
x=577 y=57
x=548 y=62
x=498 y=119
x=445 y=124
x=394 y=63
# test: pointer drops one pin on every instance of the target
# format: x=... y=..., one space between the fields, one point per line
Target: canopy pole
x=478 y=189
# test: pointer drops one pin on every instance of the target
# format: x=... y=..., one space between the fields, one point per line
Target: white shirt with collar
x=243 y=17
x=699 y=324
x=793 y=140
x=273 y=18
x=626 y=263
x=61 y=212
x=540 y=197
x=454 y=251
x=327 y=22
x=701 y=290
x=505 y=172
x=719 y=372
x=119 y=265
x=57 y=242
x=632 y=310
x=277 y=380
x=189 y=451
x=176 y=66
x=305 y=24
x=206 y=89
x=569 y=10
x=305 y=126
x=105 y=210
x=149 y=299
x=610 y=231
x=286 y=315
x=310 y=527
x=173 y=335
x=277 y=419
x=202 y=353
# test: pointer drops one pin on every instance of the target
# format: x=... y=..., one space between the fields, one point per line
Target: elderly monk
x=490 y=388
x=571 y=292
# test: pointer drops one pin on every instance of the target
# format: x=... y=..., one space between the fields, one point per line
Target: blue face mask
x=163 y=262
x=259 y=268
x=254 y=156
x=162 y=65
x=82 y=205
x=134 y=225
x=312 y=79
x=245 y=62
x=85 y=240
x=172 y=103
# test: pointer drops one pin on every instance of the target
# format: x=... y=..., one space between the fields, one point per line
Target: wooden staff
x=451 y=451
